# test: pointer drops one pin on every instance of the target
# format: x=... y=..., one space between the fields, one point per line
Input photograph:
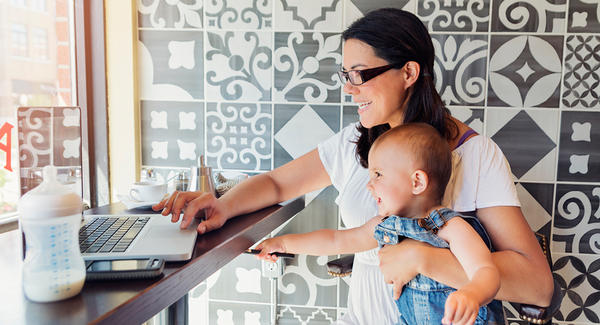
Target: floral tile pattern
x=455 y=16
x=241 y=280
x=170 y=14
x=305 y=67
x=529 y=16
x=238 y=136
x=238 y=313
x=584 y=16
x=460 y=68
x=169 y=63
x=308 y=15
x=581 y=82
x=292 y=315
x=579 y=156
x=238 y=66
x=34 y=133
x=472 y=117
x=524 y=71
x=238 y=14
x=576 y=219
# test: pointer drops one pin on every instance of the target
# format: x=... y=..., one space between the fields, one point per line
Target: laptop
x=134 y=236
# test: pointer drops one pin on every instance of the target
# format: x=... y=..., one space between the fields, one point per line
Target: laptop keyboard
x=106 y=234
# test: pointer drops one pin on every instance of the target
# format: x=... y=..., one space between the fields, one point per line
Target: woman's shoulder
x=478 y=145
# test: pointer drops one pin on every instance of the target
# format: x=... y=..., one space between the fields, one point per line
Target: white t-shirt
x=480 y=178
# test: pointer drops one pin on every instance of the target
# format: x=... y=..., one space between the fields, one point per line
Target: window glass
x=36 y=70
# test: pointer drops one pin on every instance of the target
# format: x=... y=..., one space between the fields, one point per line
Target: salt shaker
x=50 y=219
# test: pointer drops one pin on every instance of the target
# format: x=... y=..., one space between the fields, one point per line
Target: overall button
x=386 y=239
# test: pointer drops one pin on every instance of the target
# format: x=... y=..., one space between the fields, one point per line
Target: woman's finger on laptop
x=206 y=201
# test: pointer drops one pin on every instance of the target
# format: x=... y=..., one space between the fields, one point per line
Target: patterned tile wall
x=242 y=82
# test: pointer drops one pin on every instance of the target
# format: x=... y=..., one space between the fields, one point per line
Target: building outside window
x=37 y=70
x=18 y=34
x=39 y=43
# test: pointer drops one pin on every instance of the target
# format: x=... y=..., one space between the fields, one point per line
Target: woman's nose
x=350 y=88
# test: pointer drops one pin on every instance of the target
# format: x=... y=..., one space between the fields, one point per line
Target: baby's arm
x=322 y=242
x=463 y=305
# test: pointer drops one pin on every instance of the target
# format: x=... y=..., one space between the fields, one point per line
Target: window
x=18 y=34
x=39 y=71
x=39 y=43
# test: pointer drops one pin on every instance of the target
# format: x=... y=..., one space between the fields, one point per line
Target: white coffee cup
x=147 y=191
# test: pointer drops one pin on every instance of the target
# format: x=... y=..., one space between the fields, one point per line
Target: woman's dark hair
x=398 y=36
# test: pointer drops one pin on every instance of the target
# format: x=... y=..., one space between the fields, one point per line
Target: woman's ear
x=412 y=70
x=420 y=181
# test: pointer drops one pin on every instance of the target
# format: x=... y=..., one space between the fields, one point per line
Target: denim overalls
x=422 y=300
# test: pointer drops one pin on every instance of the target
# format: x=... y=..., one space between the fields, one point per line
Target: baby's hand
x=269 y=246
x=461 y=309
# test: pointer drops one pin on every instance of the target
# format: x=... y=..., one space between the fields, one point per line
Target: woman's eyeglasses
x=359 y=77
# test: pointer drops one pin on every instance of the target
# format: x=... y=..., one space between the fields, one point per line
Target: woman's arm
x=295 y=178
x=525 y=276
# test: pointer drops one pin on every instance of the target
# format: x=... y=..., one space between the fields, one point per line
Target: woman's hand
x=269 y=246
x=193 y=202
x=461 y=308
x=400 y=263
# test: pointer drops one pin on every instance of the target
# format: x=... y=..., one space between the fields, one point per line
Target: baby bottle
x=50 y=219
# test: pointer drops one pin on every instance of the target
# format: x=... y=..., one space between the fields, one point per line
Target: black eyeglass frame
x=365 y=75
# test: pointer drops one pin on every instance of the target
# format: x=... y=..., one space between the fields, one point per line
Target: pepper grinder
x=202 y=179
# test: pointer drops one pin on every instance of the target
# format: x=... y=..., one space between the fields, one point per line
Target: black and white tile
x=238 y=65
x=238 y=14
x=349 y=115
x=305 y=281
x=528 y=139
x=579 y=156
x=473 y=117
x=306 y=67
x=241 y=280
x=584 y=16
x=575 y=229
x=169 y=14
x=529 y=16
x=238 y=136
x=460 y=68
x=581 y=82
x=170 y=65
x=291 y=123
x=455 y=16
x=536 y=204
x=34 y=136
x=323 y=15
x=579 y=275
x=172 y=133
x=525 y=71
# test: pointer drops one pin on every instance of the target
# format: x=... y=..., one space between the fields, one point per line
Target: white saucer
x=134 y=204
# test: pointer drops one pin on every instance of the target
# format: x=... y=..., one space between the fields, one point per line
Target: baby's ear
x=420 y=181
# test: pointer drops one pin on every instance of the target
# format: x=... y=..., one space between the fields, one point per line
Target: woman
x=388 y=68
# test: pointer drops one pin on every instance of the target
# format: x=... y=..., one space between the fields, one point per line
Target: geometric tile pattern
x=579 y=275
x=525 y=71
x=584 y=16
x=252 y=85
x=579 y=157
x=581 y=84
x=529 y=16
x=528 y=140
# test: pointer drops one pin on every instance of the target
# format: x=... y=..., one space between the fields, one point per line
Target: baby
x=409 y=168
